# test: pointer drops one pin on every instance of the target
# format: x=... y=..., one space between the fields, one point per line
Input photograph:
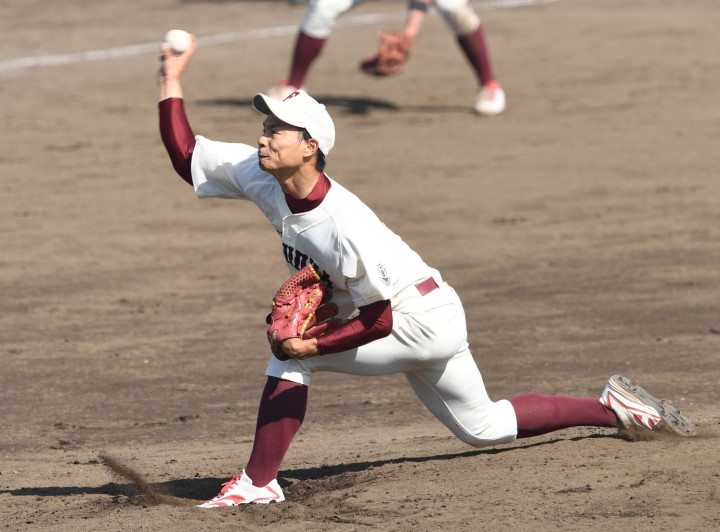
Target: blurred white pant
x=429 y=345
x=321 y=15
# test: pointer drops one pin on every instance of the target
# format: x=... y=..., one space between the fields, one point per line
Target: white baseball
x=179 y=40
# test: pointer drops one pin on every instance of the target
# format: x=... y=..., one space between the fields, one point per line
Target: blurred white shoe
x=281 y=91
x=490 y=99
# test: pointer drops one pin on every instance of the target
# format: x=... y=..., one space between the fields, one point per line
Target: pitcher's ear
x=312 y=147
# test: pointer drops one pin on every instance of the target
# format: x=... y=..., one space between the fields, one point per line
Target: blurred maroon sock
x=474 y=45
x=306 y=51
x=538 y=414
x=281 y=413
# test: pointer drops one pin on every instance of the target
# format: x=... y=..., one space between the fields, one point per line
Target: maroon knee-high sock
x=474 y=46
x=306 y=51
x=538 y=414
x=281 y=413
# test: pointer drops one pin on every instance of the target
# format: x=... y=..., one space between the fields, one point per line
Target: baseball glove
x=390 y=57
x=300 y=309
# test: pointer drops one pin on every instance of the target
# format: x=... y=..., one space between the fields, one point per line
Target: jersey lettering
x=299 y=260
x=293 y=256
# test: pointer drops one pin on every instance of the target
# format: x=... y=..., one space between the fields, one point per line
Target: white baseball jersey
x=345 y=241
x=365 y=262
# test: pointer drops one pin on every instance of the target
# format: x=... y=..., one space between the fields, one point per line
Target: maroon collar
x=312 y=200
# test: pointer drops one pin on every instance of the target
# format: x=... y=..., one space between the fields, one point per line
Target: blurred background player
x=461 y=18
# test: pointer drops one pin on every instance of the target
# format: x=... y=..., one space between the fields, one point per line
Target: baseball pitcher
x=358 y=299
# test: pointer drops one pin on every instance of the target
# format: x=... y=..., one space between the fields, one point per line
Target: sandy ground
x=581 y=228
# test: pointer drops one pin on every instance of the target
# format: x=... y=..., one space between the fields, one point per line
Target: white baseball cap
x=301 y=110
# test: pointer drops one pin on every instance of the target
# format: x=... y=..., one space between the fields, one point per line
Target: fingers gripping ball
x=300 y=309
x=179 y=40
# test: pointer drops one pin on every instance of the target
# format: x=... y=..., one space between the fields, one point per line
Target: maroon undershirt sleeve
x=177 y=135
x=374 y=322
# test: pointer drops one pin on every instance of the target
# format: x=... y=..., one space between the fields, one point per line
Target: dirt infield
x=581 y=229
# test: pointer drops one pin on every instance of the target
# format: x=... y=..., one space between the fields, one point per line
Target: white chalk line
x=222 y=38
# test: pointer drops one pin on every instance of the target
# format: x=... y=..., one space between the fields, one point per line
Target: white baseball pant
x=321 y=16
x=429 y=345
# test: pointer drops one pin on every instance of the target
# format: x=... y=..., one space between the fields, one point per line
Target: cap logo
x=292 y=96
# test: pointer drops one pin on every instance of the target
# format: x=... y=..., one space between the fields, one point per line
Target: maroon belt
x=426 y=286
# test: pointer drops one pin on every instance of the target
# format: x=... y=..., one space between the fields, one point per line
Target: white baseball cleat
x=240 y=490
x=490 y=99
x=281 y=91
x=635 y=407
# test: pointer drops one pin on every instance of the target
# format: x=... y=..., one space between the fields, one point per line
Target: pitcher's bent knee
x=493 y=427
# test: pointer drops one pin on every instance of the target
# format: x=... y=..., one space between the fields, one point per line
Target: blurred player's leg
x=315 y=29
x=307 y=49
x=490 y=99
x=470 y=34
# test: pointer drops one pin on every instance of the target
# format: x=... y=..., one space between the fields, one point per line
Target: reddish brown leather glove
x=300 y=309
x=390 y=57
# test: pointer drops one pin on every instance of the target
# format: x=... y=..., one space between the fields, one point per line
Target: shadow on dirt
x=316 y=473
x=350 y=106
x=200 y=489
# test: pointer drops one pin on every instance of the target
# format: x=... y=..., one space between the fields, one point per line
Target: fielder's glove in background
x=300 y=309
x=391 y=56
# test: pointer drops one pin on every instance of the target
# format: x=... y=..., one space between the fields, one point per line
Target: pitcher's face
x=280 y=146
